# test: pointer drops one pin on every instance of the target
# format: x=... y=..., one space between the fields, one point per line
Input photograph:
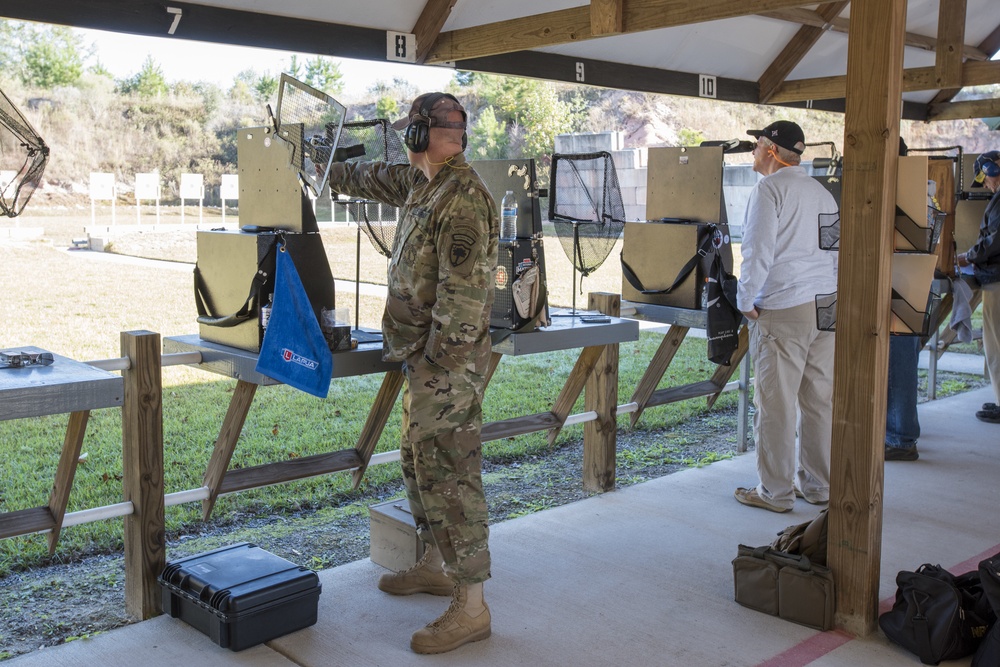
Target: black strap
x=703 y=250
x=922 y=636
x=250 y=307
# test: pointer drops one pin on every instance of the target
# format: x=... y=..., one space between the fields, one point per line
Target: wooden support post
x=600 y=437
x=142 y=472
x=63 y=484
x=225 y=445
x=871 y=144
x=495 y=358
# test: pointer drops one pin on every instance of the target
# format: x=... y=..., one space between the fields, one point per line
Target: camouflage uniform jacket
x=443 y=258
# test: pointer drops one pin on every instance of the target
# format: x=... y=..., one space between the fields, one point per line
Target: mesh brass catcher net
x=23 y=155
x=586 y=209
x=311 y=121
x=373 y=141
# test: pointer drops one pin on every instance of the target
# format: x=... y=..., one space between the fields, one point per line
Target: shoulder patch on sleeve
x=461 y=247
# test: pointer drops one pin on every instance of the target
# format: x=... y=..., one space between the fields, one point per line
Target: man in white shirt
x=783 y=270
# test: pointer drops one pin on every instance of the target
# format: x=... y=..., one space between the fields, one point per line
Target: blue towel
x=294 y=350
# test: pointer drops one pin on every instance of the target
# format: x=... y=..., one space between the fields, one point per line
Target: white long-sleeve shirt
x=783 y=265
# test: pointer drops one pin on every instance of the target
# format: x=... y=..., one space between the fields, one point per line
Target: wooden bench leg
x=142 y=472
x=657 y=367
x=225 y=445
x=392 y=382
x=600 y=437
x=59 y=498
x=574 y=385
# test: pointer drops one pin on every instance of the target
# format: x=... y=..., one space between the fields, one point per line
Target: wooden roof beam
x=951 y=38
x=965 y=110
x=813 y=18
x=429 y=24
x=606 y=17
x=574 y=25
x=917 y=79
x=990 y=46
x=794 y=51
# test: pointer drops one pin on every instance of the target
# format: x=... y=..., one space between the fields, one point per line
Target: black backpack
x=938 y=616
x=988 y=654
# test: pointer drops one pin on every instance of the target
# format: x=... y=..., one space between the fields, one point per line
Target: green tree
x=530 y=109
x=487 y=137
x=98 y=69
x=241 y=92
x=324 y=74
x=147 y=82
x=688 y=137
x=464 y=78
x=294 y=69
x=211 y=96
x=11 y=37
x=51 y=56
x=387 y=107
x=267 y=87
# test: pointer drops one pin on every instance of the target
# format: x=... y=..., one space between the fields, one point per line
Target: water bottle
x=508 y=217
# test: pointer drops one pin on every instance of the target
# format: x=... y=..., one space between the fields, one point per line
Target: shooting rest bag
x=785 y=585
x=988 y=652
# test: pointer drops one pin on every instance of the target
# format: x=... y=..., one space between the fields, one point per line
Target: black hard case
x=240 y=595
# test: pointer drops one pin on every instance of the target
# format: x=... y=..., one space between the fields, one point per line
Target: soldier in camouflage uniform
x=436 y=322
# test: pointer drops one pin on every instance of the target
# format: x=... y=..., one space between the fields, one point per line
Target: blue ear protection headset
x=417 y=134
x=986 y=165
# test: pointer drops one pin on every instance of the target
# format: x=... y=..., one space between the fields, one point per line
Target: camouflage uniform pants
x=441 y=455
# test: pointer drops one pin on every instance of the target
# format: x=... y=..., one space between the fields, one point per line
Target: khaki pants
x=793 y=394
x=991 y=336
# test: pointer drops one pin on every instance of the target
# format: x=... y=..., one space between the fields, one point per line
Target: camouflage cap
x=435 y=107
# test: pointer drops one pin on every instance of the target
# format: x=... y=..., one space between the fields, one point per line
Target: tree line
x=138 y=123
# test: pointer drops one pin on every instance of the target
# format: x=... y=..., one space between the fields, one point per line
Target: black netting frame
x=23 y=152
x=311 y=121
x=381 y=144
x=586 y=209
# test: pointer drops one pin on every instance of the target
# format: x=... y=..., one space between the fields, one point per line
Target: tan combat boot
x=467 y=620
x=426 y=576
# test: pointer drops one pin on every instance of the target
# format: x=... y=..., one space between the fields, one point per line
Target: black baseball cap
x=783 y=133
